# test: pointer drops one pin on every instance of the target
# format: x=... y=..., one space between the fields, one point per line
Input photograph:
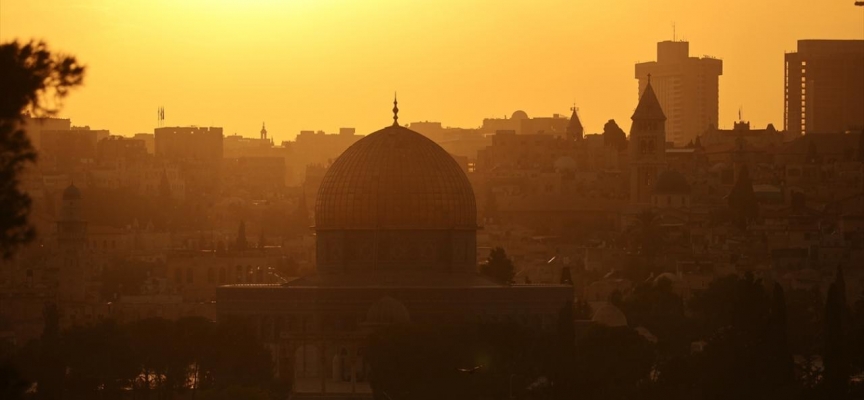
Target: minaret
x=71 y=227
x=575 y=131
x=263 y=131
x=647 y=146
x=71 y=246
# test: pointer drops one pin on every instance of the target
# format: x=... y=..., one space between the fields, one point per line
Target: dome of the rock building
x=395 y=200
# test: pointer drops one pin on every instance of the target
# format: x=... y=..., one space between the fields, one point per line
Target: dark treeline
x=734 y=340
x=148 y=359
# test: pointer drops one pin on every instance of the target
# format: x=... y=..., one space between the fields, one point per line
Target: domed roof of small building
x=387 y=310
x=72 y=193
x=609 y=315
x=671 y=182
x=395 y=178
x=519 y=115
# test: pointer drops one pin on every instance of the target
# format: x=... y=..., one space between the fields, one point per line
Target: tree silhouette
x=836 y=372
x=498 y=266
x=742 y=200
x=566 y=350
x=50 y=368
x=33 y=79
x=778 y=328
x=12 y=385
x=614 y=136
x=857 y=335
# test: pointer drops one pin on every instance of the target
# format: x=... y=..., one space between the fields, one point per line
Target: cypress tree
x=836 y=371
x=51 y=363
x=779 y=336
x=566 y=352
x=742 y=200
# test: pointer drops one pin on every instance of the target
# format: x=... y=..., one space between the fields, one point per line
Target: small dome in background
x=610 y=316
x=519 y=115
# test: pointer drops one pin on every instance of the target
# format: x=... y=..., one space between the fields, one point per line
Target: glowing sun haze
x=321 y=64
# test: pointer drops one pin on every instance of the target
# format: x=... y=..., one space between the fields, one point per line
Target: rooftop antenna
x=674 y=36
x=160 y=116
x=395 y=110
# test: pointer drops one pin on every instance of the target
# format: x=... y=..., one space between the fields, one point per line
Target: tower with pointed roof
x=647 y=146
x=575 y=131
x=263 y=131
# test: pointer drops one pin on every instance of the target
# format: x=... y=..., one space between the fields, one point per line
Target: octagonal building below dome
x=395 y=201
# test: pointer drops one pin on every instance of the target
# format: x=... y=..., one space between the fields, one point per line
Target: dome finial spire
x=395 y=110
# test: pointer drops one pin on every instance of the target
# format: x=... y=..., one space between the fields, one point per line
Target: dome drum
x=396 y=250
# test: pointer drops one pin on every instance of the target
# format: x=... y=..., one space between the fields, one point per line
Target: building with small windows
x=396 y=230
x=685 y=86
x=824 y=87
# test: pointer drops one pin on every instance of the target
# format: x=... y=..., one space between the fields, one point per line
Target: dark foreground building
x=396 y=224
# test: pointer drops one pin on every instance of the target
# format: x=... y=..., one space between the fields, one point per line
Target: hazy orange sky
x=318 y=64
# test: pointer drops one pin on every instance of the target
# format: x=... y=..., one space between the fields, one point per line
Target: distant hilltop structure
x=824 y=83
x=687 y=88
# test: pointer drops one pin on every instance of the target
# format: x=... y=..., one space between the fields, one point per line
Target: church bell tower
x=647 y=146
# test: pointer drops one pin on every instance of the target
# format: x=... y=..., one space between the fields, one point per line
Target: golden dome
x=395 y=178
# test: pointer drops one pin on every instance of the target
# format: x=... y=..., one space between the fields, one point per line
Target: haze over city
x=405 y=200
x=309 y=65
